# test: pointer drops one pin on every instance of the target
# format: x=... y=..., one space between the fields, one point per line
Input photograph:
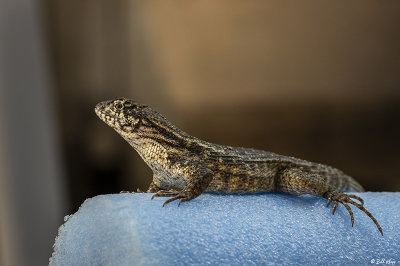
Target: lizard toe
x=182 y=196
x=346 y=199
x=165 y=193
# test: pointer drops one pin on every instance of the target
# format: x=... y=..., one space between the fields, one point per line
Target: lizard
x=184 y=166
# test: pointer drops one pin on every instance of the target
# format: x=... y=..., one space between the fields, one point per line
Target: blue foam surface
x=270 y=228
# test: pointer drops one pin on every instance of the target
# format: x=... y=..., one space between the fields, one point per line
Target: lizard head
x=138 y=123
x=123 y=115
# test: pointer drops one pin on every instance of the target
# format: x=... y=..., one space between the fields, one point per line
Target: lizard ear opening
x=137 y=125
x=131 y=126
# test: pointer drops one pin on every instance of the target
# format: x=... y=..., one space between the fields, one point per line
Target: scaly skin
x=194 y=166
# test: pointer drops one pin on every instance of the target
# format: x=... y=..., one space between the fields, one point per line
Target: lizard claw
x=175 y=194
x=329 y=202
x=345 y=199
x=165 y=193
x=181 y=195
x=357 y=198
x=334 y=209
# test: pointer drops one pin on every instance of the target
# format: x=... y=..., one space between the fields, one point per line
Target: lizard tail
x=346 y=183
x=354 y=186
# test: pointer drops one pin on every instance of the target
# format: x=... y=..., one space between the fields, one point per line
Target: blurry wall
x=317 y=80
x=32 y=195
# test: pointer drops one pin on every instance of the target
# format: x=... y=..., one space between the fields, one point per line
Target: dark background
x=316 y=80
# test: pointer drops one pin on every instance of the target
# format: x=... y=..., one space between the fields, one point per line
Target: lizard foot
x=153 y=188
x=165 y=193
x=126 y=191
x=345 y=199
x=181 y=195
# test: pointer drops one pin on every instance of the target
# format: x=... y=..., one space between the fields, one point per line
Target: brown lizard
x=194 y=166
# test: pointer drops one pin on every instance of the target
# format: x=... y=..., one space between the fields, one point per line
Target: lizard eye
x=118 y=106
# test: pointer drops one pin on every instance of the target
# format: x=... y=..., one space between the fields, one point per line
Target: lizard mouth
x=104 y=114
x=100 y=111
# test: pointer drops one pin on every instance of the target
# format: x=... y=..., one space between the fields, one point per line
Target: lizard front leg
x=199 y=178
x=296 y=181
x=153 y=188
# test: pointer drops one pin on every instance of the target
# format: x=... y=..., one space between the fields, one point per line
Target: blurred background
x=316 y=80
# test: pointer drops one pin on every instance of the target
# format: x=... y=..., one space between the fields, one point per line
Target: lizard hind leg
x=338 y=197
x=297 y=182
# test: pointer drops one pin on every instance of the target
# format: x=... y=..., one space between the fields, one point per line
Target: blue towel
x=253 y=229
